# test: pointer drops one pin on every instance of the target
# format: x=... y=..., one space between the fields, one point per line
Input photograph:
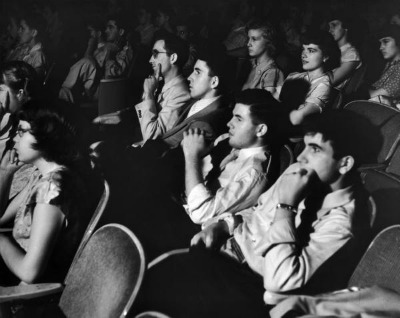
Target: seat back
x=387 y=119
x=113 y=95
x=336 y=98
x=385 y=190
x=380 y=264
x=106 y=278
x=394 y=163
x=286 y=158
x=355 y=81
x=94 y=221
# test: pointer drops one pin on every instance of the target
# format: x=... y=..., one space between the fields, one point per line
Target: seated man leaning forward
x=304 y=219
x=256 y=132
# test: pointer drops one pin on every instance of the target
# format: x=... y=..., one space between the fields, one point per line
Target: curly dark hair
x=56 y=130
x=20 y=75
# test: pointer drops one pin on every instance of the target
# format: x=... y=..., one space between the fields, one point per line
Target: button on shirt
x=272 y=249
x=243 y=178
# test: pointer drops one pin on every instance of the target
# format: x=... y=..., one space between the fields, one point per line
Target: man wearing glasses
x=162 y=104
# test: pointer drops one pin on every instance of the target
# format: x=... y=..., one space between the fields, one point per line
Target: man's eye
x=314 y=149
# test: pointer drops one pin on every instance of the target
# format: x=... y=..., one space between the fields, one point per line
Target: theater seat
x=385 y=190
x=103 y=282
x=380 y=264
x=387 y=119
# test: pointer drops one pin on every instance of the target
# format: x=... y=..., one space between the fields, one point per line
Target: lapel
x=183 y=121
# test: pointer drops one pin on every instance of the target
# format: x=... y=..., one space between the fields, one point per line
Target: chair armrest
x=375 y=166
x=22 y=292
x=6 y=230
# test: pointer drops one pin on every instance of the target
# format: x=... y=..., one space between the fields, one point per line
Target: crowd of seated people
x=202 y=166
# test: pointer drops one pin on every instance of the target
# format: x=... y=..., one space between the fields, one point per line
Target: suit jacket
x=156 y=118
x=212 y=120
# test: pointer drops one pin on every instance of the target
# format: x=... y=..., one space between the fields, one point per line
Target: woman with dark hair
x=262 y=46
x=47 y=214
x=342 y=28
x=320 y=54
x=387 y=88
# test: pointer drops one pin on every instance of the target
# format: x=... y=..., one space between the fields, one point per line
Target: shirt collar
x=333 y=200
x=172 y=82
x=36 y=47
x=345 y=47
x=263 y=65
x=251 y=152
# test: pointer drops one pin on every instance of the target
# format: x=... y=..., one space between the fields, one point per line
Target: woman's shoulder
x=53 y=187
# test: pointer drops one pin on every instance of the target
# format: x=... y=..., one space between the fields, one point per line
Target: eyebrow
x=312 y=144
x=197 y=69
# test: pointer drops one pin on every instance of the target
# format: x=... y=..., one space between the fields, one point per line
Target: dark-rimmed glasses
x=154 y=53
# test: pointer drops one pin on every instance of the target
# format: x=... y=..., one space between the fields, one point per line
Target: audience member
x=342 y=27
x=256 y=133
x=312 y=88
x=387 y=88
x=165 y=93
x=235 y=42
x=146 y=28
x=47 y=216
x=262 y=48
x=314 y=210
x=164 y=17
x=18 y=85
x=158 y=114
x=30 y=47
x=110 y=60
x=185 y=31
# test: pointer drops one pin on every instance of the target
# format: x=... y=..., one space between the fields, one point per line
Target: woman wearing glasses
x=47 y=214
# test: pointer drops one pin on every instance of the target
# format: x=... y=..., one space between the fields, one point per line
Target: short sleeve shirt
x=390 y=80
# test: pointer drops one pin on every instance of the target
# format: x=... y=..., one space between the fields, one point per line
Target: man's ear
x=121 y=32
x=173 y=58
x=346 y=164
x=34 y=33
x=262 y=130
x=214 y=82
x=325 y=59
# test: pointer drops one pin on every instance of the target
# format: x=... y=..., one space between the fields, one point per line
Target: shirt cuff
x=197 y=196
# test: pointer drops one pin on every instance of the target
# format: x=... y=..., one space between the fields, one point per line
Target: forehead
x=317 y=139
x=159 y=45
x=24 y=24
x=111 y=24
x=181 y=28
x=335 y=22
x=386 y=39
x=202 y=66
x=242 y=110
x=255 y=32
x=311 y=46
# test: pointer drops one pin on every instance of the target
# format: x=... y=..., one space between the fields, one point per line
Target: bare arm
x=297 y=116
x=378 y=92
x=46 y=226
x=343 y=72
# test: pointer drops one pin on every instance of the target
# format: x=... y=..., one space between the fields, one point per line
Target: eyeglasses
x=21 y=131
x=154 y=53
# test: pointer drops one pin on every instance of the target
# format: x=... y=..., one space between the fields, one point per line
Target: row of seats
x=111 y=261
